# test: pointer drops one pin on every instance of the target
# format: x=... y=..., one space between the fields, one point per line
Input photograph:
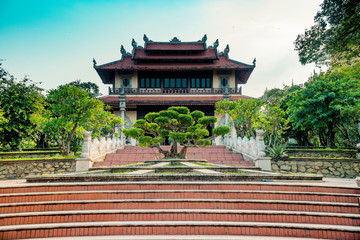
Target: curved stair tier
x=179 y=208
x=135 y=154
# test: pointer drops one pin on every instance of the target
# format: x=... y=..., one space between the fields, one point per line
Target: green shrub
x=277 y=151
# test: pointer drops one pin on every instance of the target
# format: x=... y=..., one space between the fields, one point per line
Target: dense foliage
x=91 y=88
x=183 y=127
x=244 y=112
x=18 y=101
x=323 y=105
x=70 y=111
x=335 y=34
x=247 y=115
x=325 y=111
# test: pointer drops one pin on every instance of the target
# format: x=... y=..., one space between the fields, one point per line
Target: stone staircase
x=179 y=208
x=135 y=154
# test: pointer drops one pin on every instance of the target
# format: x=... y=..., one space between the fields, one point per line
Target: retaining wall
x=298 y=153
x=21 y=169
x=344 y=168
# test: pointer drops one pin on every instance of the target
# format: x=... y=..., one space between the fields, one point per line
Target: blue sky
x=53 y=42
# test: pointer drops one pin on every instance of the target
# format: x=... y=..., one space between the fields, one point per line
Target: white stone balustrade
x=95 y=150
x=251 y=149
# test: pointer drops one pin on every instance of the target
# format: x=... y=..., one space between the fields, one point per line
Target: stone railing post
x=85 y=151
x=95 y=150
x=260 y=143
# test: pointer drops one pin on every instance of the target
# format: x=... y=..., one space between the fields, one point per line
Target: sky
x=54 y=42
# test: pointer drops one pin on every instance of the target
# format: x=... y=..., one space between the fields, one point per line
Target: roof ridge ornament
x=215 y=44
x=94 y=62
x=146 y=39
x=254 y=62
x=226 y=51
x=124 y=53
x=175 y=40
x=134 y=43
x=203 y=40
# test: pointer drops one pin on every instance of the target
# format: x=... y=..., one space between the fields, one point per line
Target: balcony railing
x=159 y=91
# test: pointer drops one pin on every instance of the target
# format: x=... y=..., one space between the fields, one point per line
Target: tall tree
x=70 y=111
x=335 y=34
x=322 y=104
x=18 y=100
x=90 y=87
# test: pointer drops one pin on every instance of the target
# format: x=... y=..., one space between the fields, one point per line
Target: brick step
x=124 y=152
x=241 y=204
x=179 y=215
x=179 y=227
x=135 y=154
x=189 y=156
x=133 y=161
x=62 y=187
x=177 y=194
x=179 y=237
x=232 y=155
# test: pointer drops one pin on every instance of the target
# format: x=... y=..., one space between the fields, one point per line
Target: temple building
x=174 y=73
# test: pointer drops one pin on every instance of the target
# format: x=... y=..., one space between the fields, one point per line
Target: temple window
x=224 y=82
x=175 y=82
x=200 y=83
x=126 y=82
x=150 y=83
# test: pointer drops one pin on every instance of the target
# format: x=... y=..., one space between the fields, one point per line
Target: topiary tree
x=177 y=123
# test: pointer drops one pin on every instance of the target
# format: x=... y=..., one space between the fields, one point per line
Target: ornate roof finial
x=216 y=43
x=146 y=39
x=123 y=51
x=204 y=38
x=175 y=40
x=254 y=62
x=227 y=50
x=94 y=62
x=134 y=43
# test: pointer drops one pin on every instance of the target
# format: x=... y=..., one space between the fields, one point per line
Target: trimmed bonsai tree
x=189 y=129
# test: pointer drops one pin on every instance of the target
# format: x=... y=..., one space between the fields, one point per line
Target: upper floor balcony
x=180 y=91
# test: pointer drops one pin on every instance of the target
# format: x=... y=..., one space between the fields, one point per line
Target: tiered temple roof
x=174 y=56
x=168 y=100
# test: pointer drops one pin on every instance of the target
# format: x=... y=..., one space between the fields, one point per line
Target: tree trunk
x=183 y=152
x=173 y=150
x=322 y=137
x=330 y=136
x=72 y=133
x=250 y=129
x=242 y=134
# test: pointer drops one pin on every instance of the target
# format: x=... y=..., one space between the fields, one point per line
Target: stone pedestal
x=357 y=181
x=83 y=164
x=263 y=163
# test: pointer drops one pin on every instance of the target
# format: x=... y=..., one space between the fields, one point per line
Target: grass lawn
x=48 y=158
